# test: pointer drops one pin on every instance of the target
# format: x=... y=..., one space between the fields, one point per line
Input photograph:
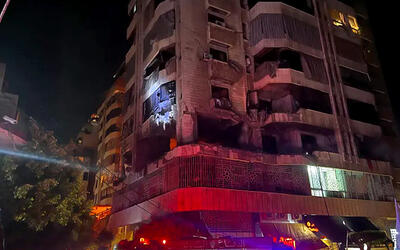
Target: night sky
x=61 y=55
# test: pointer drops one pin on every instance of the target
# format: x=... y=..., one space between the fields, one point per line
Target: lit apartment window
x=337 y=18
x=327 y=182
x=354 y=24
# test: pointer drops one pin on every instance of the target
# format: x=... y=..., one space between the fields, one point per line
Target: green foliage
x=43 y=198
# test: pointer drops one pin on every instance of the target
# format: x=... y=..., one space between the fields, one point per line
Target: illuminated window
x=393 y=235
x=353 y=24
x=337 y=18
x=327 y=182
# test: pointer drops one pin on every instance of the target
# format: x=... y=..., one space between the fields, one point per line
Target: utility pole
x=4 y=10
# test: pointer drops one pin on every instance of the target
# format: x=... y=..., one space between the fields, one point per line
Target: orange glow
x=287 y=241
x=144 y=241
x=173 y=143
x=312 y=227
x=100 y=212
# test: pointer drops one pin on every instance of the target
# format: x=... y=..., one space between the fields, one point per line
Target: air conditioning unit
x=207 y=56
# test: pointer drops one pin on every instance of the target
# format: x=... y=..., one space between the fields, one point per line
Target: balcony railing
x=209 y=171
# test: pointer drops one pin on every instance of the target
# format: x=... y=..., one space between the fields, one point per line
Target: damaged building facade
x=257 y=118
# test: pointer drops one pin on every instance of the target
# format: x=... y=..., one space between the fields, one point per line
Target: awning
x=304 y=238
x=336 y=228
x=330 y=226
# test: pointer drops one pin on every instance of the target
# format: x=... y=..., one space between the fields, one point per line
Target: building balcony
x=112 y=135
x=130 y=53
x=278 y=35
x=131 y=27
x=221 y=4
x=111 y=151
x=243 y=173
x=226 y=72
x=270 y=86
x=159 y=78
x=113 y=121
x=164 y=7
x=222 y=34
x=323 y=120
x=157 y=46
x=215 y=199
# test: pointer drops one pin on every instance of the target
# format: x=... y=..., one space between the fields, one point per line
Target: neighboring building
x=109 y=128
x=84 y=149
x=250 y=115
x=10 y=132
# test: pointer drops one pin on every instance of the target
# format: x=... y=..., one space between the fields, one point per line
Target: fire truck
x=177 y=233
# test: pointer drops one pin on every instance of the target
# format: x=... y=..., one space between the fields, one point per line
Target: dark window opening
x=269 y=144
x=265 y=106
x=388 y=129
x=281 y=58
x=362 y=111
x=128 y=99
x=113 y=128
x=218 y=11
x=160 y=61
x=221 y=97
x=302 y=97
x=127 y=128
x=85 y=176
x=355 y=79
x=114 y=113
x=218 y=55
x=218 y=131
x=309 y=143
x=216 y=20
x=315 y=100
x=244 y=30
x=290 y=59
x=243 y=4
x=304 y=5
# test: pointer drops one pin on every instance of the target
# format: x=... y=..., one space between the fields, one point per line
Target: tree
x=43 y=202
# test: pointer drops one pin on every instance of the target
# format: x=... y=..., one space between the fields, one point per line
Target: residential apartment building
x=108 y=121
x=257 y=118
